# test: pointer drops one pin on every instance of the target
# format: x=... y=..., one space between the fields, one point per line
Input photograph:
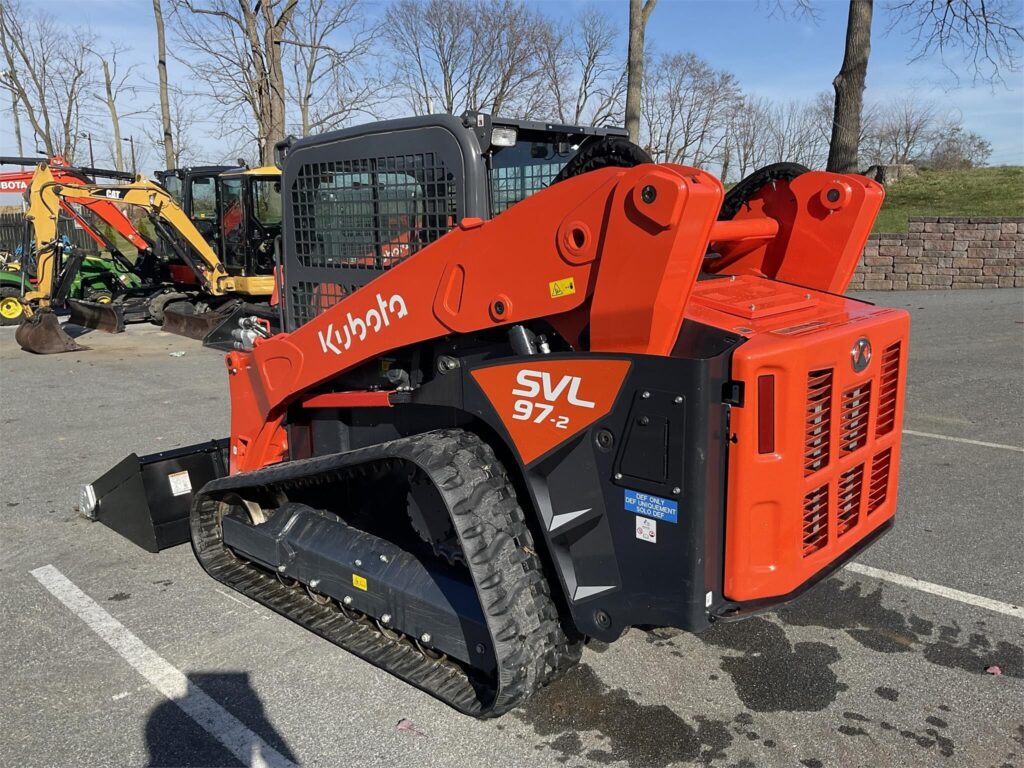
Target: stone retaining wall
x=945 y=252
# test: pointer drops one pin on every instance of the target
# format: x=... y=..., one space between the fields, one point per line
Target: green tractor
x=99 y=279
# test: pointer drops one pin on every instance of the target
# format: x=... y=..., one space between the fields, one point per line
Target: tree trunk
x=639 y=12
x=114 y=121
x=849 y=87
x=161 y=69
x=17 y=123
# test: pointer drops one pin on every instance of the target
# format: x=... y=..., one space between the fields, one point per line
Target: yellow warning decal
x=358 y=582
x=564 y=287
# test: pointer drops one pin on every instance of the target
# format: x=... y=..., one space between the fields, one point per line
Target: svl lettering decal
x=542 y=403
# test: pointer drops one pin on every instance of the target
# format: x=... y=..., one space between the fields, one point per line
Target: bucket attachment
x=184 y=321
x=41 y=334
x=103 y=317
x=147 y=499
x=221 y=336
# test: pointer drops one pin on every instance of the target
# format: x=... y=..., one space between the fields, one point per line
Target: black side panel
x=661 y=476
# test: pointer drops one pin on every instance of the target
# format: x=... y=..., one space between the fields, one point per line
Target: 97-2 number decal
x=526 y=410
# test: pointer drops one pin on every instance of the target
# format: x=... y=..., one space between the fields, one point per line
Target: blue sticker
x=652 y=506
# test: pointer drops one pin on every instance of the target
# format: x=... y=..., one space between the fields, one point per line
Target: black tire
x=99 y=295
x=741 y=194
x=7 y=294
x=160 y=303
x=608 y=152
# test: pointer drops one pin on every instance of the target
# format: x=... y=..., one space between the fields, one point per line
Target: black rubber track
x=738 y=196
x=527 y=638
x=608 y=152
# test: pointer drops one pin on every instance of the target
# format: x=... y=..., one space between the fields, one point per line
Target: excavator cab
x=249 y=218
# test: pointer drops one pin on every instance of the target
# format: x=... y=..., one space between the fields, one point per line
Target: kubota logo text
x=540 y=384
x=337 y=340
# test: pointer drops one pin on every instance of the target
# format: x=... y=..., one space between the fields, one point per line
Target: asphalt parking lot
x=863 y=671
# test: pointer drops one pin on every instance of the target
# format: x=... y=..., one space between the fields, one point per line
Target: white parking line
x=964 y=440
x=937 y=589
x=249 y=748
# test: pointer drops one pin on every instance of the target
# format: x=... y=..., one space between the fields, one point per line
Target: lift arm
x=630 y=243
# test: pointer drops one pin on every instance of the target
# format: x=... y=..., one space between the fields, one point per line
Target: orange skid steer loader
x=596 y=393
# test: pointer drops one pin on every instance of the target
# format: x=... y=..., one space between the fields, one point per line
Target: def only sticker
x=655 y=507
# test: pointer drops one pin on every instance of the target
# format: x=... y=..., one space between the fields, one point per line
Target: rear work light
x=766 y=414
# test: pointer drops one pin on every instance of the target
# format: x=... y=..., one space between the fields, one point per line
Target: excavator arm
x=165 y=213
x=102 y=209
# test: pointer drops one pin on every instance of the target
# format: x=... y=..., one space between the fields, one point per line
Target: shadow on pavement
x=174 y=738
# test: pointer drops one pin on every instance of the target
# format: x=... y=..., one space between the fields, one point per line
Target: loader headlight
x=503 y=136
x=87 y=501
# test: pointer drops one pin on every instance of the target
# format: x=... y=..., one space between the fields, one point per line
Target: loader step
x=525 y=640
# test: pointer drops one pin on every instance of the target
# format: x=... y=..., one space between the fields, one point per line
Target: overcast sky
x=774 y=57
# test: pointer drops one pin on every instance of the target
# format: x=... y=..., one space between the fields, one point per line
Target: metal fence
x=12 y=233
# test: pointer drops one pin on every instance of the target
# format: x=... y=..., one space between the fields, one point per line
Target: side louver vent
x=851 y=487
x=818 y=421
x=888 y=388
x=853 y=418
x=879 y=491
x=815 y=520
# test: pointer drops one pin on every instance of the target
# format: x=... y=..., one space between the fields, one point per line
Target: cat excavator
x=211 y=286
x=534 y=389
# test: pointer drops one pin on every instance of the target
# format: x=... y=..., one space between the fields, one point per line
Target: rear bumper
x=733 y=611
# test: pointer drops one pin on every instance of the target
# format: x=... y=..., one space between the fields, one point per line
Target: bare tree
x=746 y=119
x=181 y=109
x=239 y=55
x=639 y=14
x=330 y=84
x=684 y=109
x=849 y=88
x=955 y=148
x=167 y=139
x=115 y=85
x=457 y=55
x=794 y=133
x=584 y=75
x=903 y=130
x=49 y=73
x=985 y=34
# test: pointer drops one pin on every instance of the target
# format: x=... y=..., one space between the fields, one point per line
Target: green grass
x=975 y=192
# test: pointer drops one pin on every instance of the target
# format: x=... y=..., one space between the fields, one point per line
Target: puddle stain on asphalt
x=580 y=702
x=773 y=674
x=839 y=606
x=119 y=596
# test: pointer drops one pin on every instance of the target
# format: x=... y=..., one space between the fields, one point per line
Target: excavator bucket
x=103 y=317
x=42 y=335
x=184 y=321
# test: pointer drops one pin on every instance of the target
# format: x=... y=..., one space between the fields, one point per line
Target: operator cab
x=250 y=219
x=363 y=199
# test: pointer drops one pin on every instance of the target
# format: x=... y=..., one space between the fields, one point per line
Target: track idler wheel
x=41 y=334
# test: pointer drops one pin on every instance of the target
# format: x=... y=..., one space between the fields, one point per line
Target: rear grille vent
x=818 y=421
x=879 y=490
x=853 y=418
x=888 y=387
x=851 y=486
x=815 y=520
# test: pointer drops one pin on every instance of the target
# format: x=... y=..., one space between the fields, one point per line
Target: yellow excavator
x=188 y=293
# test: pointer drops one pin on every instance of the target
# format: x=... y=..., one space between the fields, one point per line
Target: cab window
x=204 y=199
x=266 y=198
